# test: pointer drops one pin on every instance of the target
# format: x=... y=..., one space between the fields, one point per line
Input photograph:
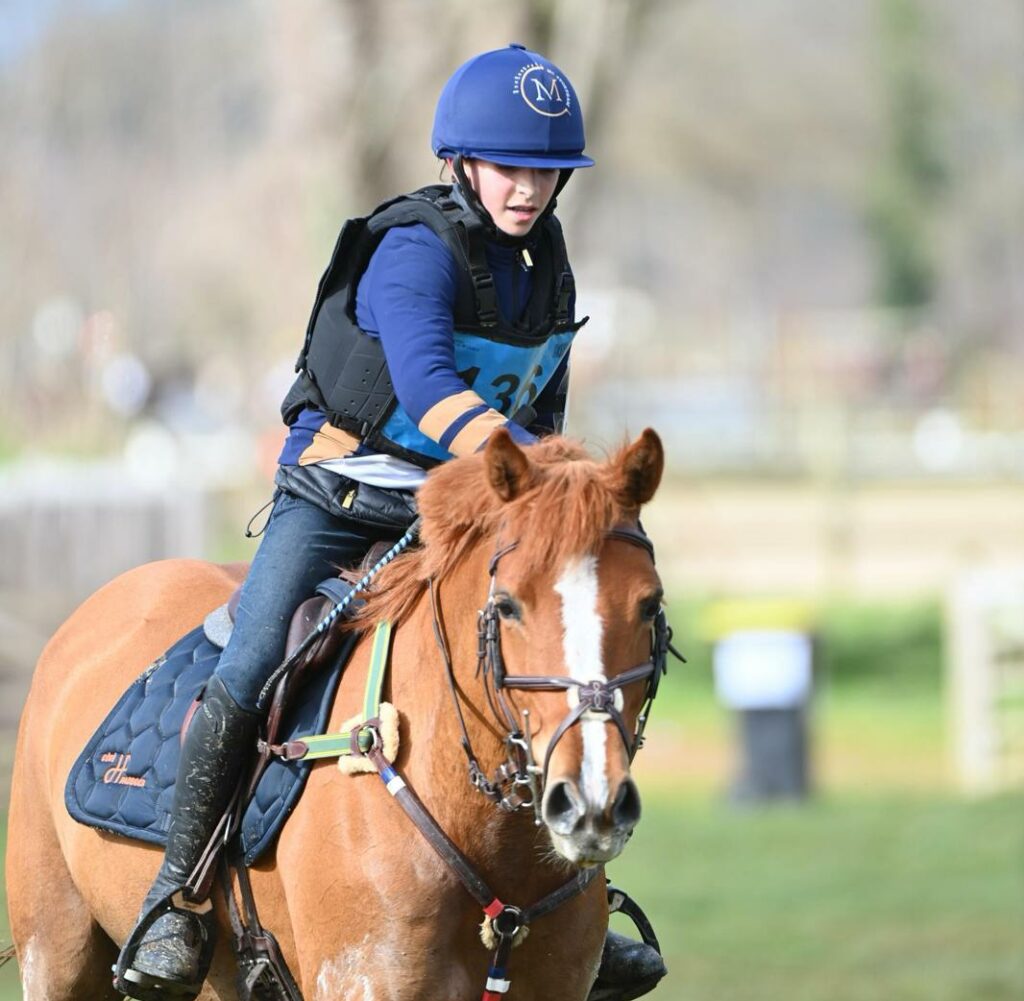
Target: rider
x=444 y=315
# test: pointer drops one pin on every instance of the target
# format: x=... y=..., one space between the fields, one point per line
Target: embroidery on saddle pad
x=123 y=781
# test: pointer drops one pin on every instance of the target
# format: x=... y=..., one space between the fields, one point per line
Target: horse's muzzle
x=587 y=833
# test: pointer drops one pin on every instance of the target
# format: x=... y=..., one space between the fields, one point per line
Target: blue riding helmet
x=512 y=107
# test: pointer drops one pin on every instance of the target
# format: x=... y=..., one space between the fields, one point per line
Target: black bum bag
x=390 y=511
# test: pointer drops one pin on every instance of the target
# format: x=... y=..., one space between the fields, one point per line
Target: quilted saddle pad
x=123 y=781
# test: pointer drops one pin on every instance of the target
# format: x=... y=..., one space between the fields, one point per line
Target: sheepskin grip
x=389 y=727
x=489 y=936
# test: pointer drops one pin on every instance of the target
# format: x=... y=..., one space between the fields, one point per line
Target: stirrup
x=638 y=981
x=138 y=986
x=141 y=986
x=620 y=902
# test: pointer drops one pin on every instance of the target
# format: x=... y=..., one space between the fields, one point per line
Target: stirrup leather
x=620 y=902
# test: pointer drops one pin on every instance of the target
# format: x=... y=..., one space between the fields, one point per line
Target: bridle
x=519 y=772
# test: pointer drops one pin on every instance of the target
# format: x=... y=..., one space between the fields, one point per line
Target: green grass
x=885 y=887
x=879 y=899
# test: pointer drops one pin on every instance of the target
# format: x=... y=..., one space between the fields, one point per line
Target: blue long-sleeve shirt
x=406 y=297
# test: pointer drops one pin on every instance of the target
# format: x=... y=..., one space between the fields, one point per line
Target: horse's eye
x=650 y=607
x=507 y=607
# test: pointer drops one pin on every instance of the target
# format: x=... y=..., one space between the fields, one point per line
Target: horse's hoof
x=628 y=970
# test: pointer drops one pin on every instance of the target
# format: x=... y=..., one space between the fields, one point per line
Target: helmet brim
x=553 y=161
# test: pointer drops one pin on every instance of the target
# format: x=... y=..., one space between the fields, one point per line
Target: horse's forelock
x=565 y=513
x=564 y=516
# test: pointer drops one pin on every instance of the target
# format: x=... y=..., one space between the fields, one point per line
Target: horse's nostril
x=626 y=808
x=563 y=809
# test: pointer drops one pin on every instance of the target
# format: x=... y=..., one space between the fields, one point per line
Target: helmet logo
x=543 y=90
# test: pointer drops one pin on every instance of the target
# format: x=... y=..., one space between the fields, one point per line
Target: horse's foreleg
x=56 y=969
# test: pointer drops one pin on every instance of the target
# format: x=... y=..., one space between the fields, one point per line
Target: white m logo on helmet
x=544 y=91
x=551 y=93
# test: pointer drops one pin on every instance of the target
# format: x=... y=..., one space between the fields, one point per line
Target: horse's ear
x=508 y=468
x=639 y=469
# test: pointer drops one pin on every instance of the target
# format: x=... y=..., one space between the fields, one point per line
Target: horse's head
x=568 y=631
x=577 y=600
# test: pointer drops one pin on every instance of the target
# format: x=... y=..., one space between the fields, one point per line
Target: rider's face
x=514 y=196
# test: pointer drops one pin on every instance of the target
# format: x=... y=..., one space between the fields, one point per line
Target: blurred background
x=802 y=251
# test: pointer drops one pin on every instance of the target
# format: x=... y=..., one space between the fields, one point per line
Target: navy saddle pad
x=123 y=781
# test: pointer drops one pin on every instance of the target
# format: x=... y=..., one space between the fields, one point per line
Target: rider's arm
x=407 y=298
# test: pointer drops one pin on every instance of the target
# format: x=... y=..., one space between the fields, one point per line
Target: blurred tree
x=911 y=174
x=184 y=168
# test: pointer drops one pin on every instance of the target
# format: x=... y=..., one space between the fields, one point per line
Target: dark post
x=764 y=659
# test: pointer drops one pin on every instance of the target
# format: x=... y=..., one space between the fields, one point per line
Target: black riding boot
x=171 y=958
x=629 y=969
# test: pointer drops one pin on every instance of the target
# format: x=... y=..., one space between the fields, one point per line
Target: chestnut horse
x=360 y=903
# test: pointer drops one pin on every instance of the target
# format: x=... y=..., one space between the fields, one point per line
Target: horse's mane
x=570 y=502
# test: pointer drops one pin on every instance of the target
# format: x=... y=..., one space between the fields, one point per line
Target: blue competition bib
x=505 y=376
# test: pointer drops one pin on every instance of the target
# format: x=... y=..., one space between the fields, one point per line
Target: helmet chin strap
x=469 y=192
x=476 y=206
x=563 y=179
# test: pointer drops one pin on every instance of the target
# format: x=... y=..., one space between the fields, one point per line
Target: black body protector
x=342 y=369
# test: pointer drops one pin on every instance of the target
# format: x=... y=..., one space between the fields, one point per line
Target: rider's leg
x=629 y=969
x=172 y=954
x=302 y=545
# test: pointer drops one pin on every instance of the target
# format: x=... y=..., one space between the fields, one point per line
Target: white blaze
x=582 y=634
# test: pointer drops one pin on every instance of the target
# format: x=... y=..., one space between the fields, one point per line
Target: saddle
x=123 y=781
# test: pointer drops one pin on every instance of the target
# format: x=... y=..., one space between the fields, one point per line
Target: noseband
x=519 y=772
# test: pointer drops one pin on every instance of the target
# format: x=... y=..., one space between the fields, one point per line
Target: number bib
x=505 y=376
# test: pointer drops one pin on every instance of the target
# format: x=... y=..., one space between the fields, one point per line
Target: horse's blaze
x=587 y=827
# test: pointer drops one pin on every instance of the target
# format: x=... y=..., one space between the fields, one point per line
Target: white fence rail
x=986 y=663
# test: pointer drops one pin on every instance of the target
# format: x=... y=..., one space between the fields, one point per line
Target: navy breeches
x=301 y=546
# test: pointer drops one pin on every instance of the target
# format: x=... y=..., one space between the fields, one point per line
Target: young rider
x=446 y=314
